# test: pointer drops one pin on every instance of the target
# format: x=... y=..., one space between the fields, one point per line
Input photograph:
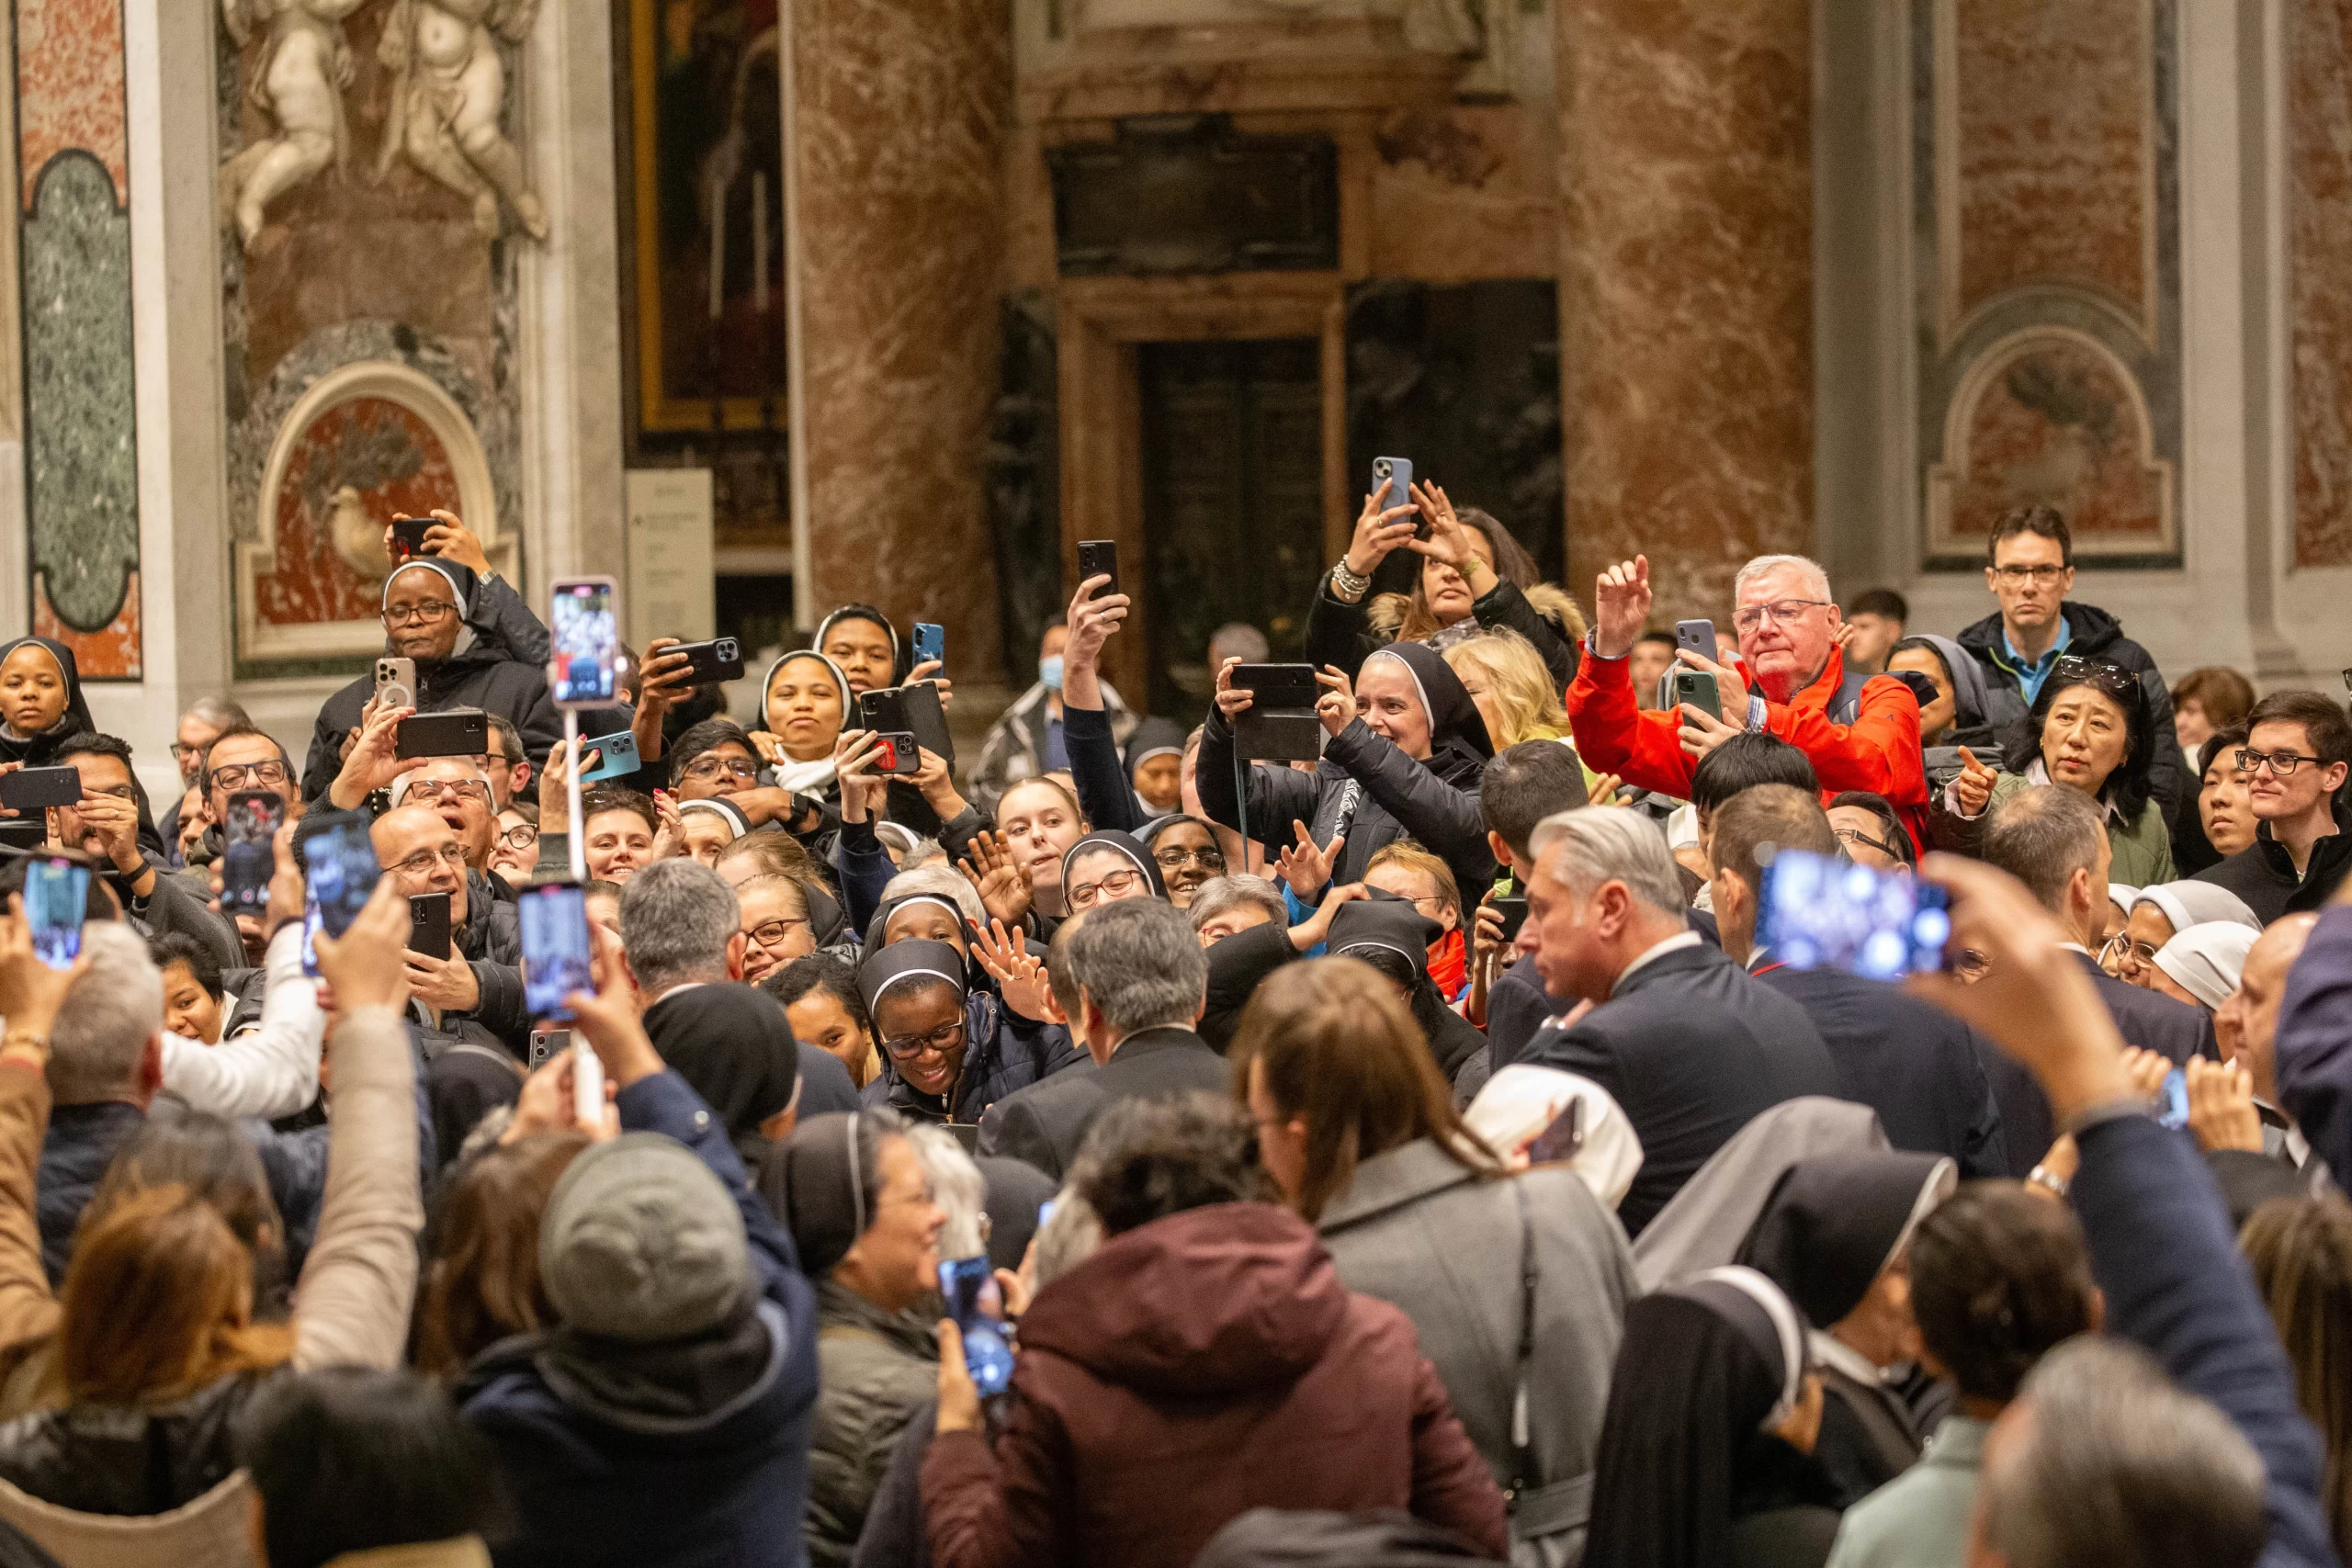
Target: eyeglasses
x=939 y=1042
x=1781 y=611
x=521 y=836
x=767 y=933
x=431 y=613
x=2112 y=679
x=1209 y=858
x=2040 y=576
x=421 y=864
x=247 y=775
x=1118 y=885
x=2282 y=764
x=431 y=790
x=1856 y=836
x=182 y=751
x=714 y=767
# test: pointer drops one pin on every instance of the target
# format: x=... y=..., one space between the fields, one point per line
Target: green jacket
x=876 y=1370
x=1920 y=1519
x=2142 y=849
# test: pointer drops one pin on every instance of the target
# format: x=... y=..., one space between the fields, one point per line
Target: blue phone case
x=931 y=642
x=619 y=755
x=969 y=1286
x=1399 y=481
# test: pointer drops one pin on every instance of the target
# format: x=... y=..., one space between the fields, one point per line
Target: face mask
x=1049 y=670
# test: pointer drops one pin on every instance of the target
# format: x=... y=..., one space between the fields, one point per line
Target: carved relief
x=449 y=88
x=305 y=68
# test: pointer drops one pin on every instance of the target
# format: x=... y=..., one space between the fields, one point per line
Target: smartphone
x=1698 y=688
x=977 y=1303
x=395 y=683
x=615 y=754
x=30 y=789
x=1698 y=636
x=57 y=900
x=310 y=934
x=1392 y=487
x=899 y=756
x=584 y=625
x=248 y=857
x=931 y=641
x=545 y=1042
x=1099 y=557
x=910 y=710
x=721 y=659
x=1279 y=724
x=1824 y=912
x=1045 y=1211
x=587 y=1084
x=428 y=924
x=461 y=732
x=1561 y=1139
x=339 y=871
x=555 y=947
x=408 y=535
x=1514 y=914
x=2172 y=1100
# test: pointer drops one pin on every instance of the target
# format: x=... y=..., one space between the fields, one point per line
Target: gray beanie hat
x=641 y=1242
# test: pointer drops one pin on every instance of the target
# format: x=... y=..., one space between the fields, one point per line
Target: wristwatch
x=2042 y=1175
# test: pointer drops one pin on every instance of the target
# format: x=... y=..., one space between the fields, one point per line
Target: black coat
x=81 y=1143
x=2263 y=874
x=1692 y=1047
x=1342 y=634
x=142 y=1460
x=1913 y=1063
x=2096 y=634
x=1045 y=1123
x=1517 y=1006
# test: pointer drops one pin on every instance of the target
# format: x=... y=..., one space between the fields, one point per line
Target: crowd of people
x=1139 y=1149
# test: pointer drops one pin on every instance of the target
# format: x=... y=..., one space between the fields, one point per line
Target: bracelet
x=24 y=1040
x=2042 y=1175
x=1347 y=587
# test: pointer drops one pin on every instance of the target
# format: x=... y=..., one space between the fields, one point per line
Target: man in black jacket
x=1681 y=1037
x=2052 y=838
x=2301 y=746
x=2029 y=567
x=1914 y=1065
x=1526 y=783
x=1136 y=982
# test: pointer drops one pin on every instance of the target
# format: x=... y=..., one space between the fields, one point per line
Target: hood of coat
x=1209 y=1302
x=2095 y=632
x=1972 y=699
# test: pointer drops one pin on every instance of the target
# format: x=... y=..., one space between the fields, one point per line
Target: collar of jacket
x=1161 y=1037
x=910 y=1331
x=2093 y=627
x=1692 y=955
x=1824 y=690
x=459 y=1551
x=1392 y=1178
x=2326 y=853
x=669 y=1387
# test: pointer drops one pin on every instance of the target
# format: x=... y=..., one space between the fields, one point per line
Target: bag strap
x=1522 y=1461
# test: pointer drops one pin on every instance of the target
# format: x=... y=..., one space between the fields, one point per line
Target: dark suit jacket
x=1045 y=1123
x=1518 y=1005
x=1913 y=1063
x=1692 y=1047
x=2175 y=1031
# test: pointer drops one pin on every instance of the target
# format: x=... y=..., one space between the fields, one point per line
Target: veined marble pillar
x=1686 y=279
x=899 y=111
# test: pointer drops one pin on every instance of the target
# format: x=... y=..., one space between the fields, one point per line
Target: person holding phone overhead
x=1037 y=734
x=475 y=645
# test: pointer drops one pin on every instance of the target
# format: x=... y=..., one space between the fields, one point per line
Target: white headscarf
x=2206 y=961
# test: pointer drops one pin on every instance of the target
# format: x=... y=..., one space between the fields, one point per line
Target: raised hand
x=2221 y=1106
x=1606 y=788
x=1729 y=686
x=31 y=991
x=1091 y=623
x=1311 y=932
x=1004 y=891
x=452 y=540
x=864 y=792
x=549 y=1105
x=1973 y=787
x=1378 y=533
x=1231 y=700
x=372 y=762
x=1621 y=608
x=1701 y=731
x=1337 y=706
x=1306 y=868
x=1019 y=978
x=1449 y=542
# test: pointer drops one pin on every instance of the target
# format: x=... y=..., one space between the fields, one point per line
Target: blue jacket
x=74 y=1152
x=643 y=1488
x=2314 y=1042
x=2162 y=1250
x=1004 y=1051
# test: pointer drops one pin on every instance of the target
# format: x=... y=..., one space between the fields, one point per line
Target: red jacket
x=1879 y=751
x=1192 y=1370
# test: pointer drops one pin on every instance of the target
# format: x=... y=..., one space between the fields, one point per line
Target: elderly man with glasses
x=475 y=993
x=1788 y=628
x=475 y=644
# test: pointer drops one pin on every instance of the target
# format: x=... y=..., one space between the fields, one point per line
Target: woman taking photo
x=1513 y=1283
x=805 y=707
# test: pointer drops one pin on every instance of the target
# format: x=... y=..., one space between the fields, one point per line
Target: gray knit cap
x=641 y=1242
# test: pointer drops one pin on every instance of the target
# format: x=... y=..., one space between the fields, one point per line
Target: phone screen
x=1561 y=1139
x=2172 y=1100
x=587 y=642
x=310 y=935
x=1822 y=912
x=57 y=898
x=248 y=857
x=555 y=947
x=340 y=871
x=977 y=1303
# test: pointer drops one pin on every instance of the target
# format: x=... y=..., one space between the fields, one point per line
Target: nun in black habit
x=948 y=1052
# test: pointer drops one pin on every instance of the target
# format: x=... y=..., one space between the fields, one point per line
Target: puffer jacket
x=143 y=1460
x=875 y=1370
x=1003 y=1051
x=2096 y=634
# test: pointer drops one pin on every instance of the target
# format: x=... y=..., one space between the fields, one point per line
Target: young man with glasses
x=104 y=826
x=2029 y=568
x=2296 y=758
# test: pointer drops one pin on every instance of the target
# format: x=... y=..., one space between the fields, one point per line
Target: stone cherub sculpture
x=448 y=89
x=299 y=83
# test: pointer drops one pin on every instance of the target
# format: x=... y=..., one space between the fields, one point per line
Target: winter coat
x=2143 y=847
x=1191 y=1369
x=876 y=1369
x=80 y=1144
x=2096 y=634
x=1345 y=635
x=1416 y=1228
x=2263 y=874
x=1003 y=1051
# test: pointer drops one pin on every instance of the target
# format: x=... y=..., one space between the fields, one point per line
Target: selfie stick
x=571 y=793
x=1241 y=801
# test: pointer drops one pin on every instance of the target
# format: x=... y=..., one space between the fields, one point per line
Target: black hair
x=818 y=972
x=204 y=764
x=2228 y=739
x=1524 y=784
x=2046 y=521
x=2325 y=724
x=351 y=1460
x=1881 y=601
x=1145 y=1159
x=1743 y=762
x=1898 y=838
x=510 y=739
x=178 y=947
x=1998 y=1279
x=2128 y=787
x=1922 y=645
x=90 y=743
x=602 y=797
x=1667 y=639
x=707 y=736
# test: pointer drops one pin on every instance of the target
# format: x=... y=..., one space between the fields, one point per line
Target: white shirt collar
x=1674 y=943
x=1831 y=1351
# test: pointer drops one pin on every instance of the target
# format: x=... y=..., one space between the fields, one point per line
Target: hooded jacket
x=1191 y=1369
x=876 y=1368
x=1367 y=789
x=2096 y=634
x=1002 y=1051
x=1971 y=721
x=502 y=670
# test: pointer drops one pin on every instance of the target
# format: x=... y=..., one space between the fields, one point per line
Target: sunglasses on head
x=2113 y=679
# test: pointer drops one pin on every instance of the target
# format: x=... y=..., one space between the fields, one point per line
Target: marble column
x=899 y=109
x=1686 y=279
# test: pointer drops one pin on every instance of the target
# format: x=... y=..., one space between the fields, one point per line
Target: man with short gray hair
x=1142 y=984
x=106 y=1063
x=1685 y=1040
x=681 y=926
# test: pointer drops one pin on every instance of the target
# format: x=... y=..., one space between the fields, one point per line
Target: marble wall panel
x=1466 y=191
x=70 y=89
x=901 y=109
x=1686 y=288
x=2319 y=119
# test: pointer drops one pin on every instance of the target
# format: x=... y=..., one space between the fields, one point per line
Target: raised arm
x=30 y=994
x=271 y=1070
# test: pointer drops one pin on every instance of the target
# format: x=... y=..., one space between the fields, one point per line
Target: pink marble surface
x=2320 y=260
x=391 y=465
x=2056 y=136
x=70 y=89
x=109 y=653
x=1686 y=288
x=902 y=109
x=2056 y=422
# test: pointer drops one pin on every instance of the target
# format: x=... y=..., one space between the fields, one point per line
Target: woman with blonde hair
x=1506 y=677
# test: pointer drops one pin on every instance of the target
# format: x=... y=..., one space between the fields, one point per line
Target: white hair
x=959 y=1185
x=1609 y=843
x=109 y=1015
x=1817 y=580
x=939 y=883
